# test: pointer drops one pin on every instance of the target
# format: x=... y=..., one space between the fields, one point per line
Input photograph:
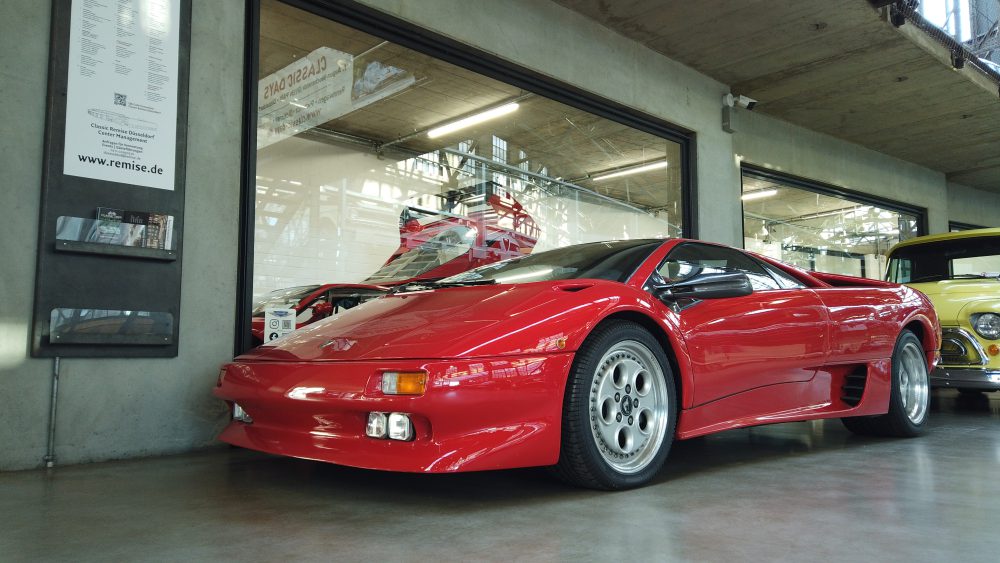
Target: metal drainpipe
x=50 y=456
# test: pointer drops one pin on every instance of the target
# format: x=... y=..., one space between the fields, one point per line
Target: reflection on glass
x=282 y=298
x=441 y=234
x=107 y=326
x=615 y=261
x=357 y=184
x=817 y=231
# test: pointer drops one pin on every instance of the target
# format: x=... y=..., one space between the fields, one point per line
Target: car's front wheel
x=909 y=399
x=619 y=410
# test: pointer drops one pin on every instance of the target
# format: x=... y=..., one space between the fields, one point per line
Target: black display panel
x=108 y=278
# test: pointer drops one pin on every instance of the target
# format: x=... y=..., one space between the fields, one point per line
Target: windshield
x=440 y=249
x=964 y=258
x=288 y=297
x=614 y=260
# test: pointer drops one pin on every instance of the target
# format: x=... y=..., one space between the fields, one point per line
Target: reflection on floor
x=793 y=492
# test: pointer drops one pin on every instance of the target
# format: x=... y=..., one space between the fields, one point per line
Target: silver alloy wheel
x=914 y=382
x=629 y=406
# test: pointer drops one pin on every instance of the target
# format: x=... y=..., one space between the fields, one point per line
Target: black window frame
x=778 y=274
x=957 y=226
x=390 y=28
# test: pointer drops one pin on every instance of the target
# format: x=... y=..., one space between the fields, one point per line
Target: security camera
x=730 y=100
x=745 y=102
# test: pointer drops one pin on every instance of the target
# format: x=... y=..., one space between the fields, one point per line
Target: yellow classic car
x=960 y=273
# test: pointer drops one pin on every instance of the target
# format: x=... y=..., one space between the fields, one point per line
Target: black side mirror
x=713 y=285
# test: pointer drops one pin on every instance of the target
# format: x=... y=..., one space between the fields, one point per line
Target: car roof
x=973 y=233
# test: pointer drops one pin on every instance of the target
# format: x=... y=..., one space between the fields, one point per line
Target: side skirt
x=821 y=397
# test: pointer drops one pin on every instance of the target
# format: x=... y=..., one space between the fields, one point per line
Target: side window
x=785 y=281
x=718 y=257
x=900 y=270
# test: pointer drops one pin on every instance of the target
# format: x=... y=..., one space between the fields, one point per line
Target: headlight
x=987 y=325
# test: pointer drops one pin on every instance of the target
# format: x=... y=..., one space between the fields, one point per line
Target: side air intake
x=854 y=386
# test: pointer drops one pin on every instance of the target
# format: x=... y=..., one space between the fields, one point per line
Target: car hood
x=954 y=299
x=472 y=321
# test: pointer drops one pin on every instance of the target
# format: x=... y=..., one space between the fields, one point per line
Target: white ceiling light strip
x=473 y=120
x=633 y=170
x=759 y=194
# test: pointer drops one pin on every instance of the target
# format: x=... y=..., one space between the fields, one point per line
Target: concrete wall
x=121 y=408
x=969 y=205
x=784 y=147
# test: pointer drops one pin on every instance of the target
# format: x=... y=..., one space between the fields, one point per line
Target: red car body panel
x=487 y=413
x=498 y=357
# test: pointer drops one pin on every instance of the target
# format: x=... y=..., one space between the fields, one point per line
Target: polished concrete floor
x=790 y=492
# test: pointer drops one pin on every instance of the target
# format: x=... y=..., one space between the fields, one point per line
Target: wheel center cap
x=626 y=405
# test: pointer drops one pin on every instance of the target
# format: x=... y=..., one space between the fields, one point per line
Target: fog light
x=400 y=427
x=404 y=382
x=240 y=414
x=376 y=425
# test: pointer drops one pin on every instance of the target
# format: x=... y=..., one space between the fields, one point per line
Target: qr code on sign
x=286 y=324
x=120 y=99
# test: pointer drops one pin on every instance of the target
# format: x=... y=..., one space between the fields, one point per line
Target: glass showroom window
x=377 y=165
x=818 y=229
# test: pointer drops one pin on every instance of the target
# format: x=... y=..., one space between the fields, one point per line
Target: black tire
x=906 y=418
x=596 y=442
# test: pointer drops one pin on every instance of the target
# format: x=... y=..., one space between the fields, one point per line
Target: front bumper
x=486 y=413
x=966 y=378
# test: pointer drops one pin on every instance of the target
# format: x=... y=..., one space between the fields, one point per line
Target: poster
x=121 y=94
x=323 y=85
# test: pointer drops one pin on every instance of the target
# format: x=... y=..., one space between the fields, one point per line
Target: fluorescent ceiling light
x=759 y=194
x=472 y=120
x=633 y=170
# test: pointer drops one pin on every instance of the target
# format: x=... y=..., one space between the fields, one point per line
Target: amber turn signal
x=994 y=349
x=404 y=382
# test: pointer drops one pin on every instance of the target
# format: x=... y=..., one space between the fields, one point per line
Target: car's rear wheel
x=619 y=410
x=909 y=400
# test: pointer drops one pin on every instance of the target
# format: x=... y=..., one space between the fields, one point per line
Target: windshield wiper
x=983 y=276
x=458 y=283
x=939 y=277
x=438 y=284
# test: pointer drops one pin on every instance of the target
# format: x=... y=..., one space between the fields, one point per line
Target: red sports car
x=464 y=229
x=590 y=359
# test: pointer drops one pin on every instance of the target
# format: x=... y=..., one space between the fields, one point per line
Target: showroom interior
x=816 y=133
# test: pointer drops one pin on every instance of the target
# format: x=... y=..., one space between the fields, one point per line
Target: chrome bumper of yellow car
x=966 y=378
